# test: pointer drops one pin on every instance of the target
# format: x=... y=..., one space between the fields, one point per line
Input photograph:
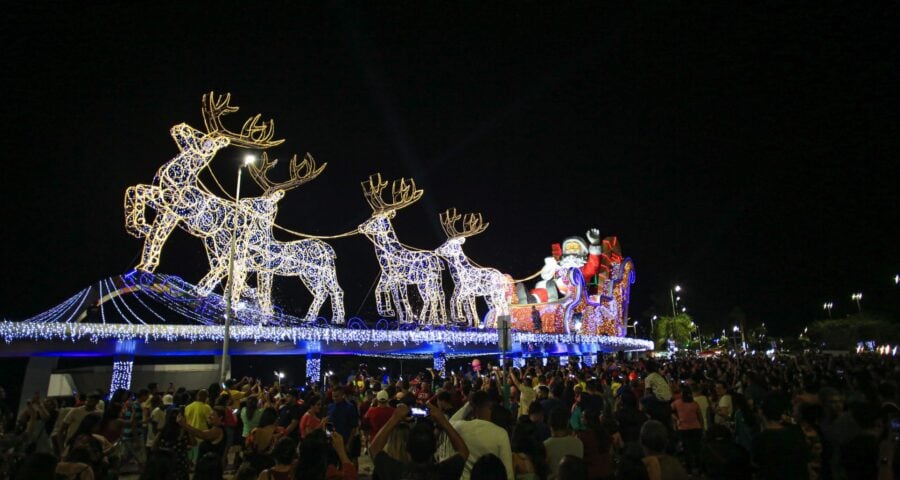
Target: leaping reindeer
x=175 y=194
x=471 y=281
x=401 y=267
x=310 y=259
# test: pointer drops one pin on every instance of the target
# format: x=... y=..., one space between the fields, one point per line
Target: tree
x=678 y=328
x=844 y=333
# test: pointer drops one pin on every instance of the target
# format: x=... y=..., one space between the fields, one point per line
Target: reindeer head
x=217 y=136
x=472 y=224
x=301 y=172
x=403 y=193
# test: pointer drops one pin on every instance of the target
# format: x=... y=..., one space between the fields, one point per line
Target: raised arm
x=380 y=440
x=455 y=439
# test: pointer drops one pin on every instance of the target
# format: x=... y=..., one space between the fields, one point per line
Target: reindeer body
x=400 y=268
x=309 y=259
x=471 y=282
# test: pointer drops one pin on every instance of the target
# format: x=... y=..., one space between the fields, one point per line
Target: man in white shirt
x=561 y=442
x=481 y=436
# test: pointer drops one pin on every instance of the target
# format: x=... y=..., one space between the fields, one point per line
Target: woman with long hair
x=262 y=439
x=310 y=420
x=175 y=441
x=284 y=454
x=397 y=443
x=250 y=414
x=319 y=460
x=597 y=443
x=213 y=438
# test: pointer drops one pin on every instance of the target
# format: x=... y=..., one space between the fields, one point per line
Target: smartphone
x=329 y=429
x=419 y=412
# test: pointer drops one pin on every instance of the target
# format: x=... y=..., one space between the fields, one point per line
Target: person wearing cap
x=379 y=414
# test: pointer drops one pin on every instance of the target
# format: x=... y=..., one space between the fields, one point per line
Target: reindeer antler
x=253 y=134
x=301 y=173
x=472 y=223
x=403 y=193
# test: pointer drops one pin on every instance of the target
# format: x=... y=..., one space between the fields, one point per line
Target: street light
x=857 y=297
x=225 y=372
x=828 y=306
x=672 y=291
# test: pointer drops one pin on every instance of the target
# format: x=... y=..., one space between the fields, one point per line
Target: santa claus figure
x=574 y=252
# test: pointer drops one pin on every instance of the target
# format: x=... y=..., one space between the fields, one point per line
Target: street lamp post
x=827 y=306
x=735 y=330
x=857 y=297
x=672 y=297
x=225 y=371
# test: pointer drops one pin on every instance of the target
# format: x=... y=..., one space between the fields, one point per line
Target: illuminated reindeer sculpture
x=471 y=281
x=400 y=266
x=175 y=194
x=309 y=259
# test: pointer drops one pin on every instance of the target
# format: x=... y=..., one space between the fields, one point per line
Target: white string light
x=401 y=267
x=121 y=375
x=471 y=281
x=179 y=199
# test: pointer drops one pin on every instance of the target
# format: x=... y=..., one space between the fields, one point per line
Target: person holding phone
x=421 y=447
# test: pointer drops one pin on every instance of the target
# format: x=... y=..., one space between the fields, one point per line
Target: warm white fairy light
x=179 y=199
x=400 y=266
x=311 y=260
x=471 y=281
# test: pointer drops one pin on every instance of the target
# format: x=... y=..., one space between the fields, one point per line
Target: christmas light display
x=400 y=266
x=471 y=281
x=311 y=260
x=314 y=368
x=121 y=375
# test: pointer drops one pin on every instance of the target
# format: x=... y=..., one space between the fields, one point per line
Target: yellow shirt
x=196 y=414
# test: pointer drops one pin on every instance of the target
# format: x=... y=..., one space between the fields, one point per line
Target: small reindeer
x=470 y=281
x=311 y=260
x=401 y=267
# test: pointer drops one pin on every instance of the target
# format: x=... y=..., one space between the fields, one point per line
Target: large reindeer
x=471 y=281
x=175 y=194
x=401 y=267
x=311 y=260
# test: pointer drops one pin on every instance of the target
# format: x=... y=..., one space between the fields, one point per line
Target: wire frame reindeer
x=175 y=194
x=470 y=281
x=311 y=260
x=400 y=266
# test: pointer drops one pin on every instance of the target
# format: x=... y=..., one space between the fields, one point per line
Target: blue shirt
x=344 y=416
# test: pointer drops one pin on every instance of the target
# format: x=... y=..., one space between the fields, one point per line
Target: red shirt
x=688 y=415
x=378 y=416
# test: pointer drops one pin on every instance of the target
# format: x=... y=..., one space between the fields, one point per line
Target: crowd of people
x=804 y=417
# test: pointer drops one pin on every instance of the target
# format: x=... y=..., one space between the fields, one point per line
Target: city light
x=677 y=288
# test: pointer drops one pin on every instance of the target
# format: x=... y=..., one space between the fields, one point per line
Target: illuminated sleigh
x=580 y=312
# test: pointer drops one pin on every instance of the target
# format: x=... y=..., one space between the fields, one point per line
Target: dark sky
x=748 y=154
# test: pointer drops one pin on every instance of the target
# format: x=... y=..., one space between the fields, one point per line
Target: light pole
x=734 y=337
x=857 y=297
x=225 y=372
x=672 y=297
x=828 y=306
x=653 y=327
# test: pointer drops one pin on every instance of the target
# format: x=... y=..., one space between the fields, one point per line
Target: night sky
x=748 y=154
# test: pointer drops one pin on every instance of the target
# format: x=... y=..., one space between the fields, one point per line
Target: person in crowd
x=209 y=467
x=659 y=465
x=723 y=459
x=529 y=455
x=780 y=451
x=174 y=443
x=261 y=440
x=310 y=420
x=321 y=458
x=377 y=416
x=397 y=443
x=700 y=394
x=284 y=454
x=73 y=419
x=536 y=417
x=481 y=436
x=689 y=425
x=724 y=407
x=744 y=421
x=865 y=455
x=289 y=414
x=527 y=394
x=133 y=432
x=629 y=417
x=561 y=441
x=344 y=415
x=421 y=448
x=572 y=468
x=658 y=394
x=198 y=411
x=488 y=467
x=212 y=438
x=77 y=464
x=597 y=441
x=156 y=419
x=250 y=415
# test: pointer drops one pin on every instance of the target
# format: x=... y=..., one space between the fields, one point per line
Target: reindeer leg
x=162 y=227
x=319 y=295
x=264 y=291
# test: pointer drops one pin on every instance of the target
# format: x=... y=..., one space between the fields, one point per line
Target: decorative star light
x=400 y=266
x=471 y=281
